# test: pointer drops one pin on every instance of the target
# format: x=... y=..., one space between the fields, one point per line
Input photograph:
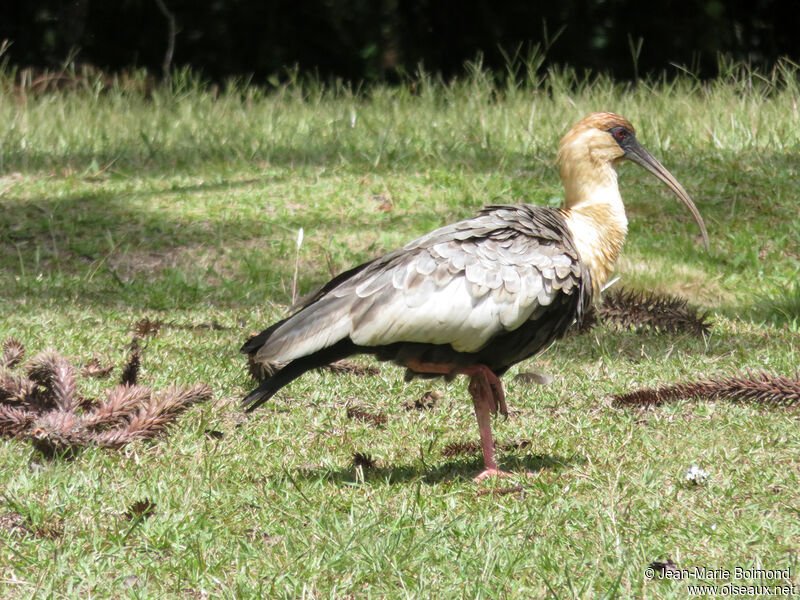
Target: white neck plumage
x=595 y=215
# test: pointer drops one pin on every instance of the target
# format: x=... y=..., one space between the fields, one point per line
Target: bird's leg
x=498 y=396
x=488 y=398
x=484 y=400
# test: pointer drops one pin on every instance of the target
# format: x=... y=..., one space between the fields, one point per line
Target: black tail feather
x=296 y=368
x=252 y=345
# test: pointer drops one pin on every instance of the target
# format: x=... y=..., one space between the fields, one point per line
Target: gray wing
x=460 y=285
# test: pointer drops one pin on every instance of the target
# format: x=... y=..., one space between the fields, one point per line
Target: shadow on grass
x=104 y=247
x=312 y=151
x=448 y=471
x=71 y=240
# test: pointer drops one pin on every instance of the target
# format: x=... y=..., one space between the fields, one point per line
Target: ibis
x=478 y=296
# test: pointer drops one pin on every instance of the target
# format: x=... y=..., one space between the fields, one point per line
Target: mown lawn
x=183 y=205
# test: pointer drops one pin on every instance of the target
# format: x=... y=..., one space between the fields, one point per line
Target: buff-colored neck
x=592 y=205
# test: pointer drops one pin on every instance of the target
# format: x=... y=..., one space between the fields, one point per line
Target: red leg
x=497 y=394
x=483 y=399
x=488 y=398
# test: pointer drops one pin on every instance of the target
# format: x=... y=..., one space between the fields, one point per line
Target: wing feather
x=460 y=285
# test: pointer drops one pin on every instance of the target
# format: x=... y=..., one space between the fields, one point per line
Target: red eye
x=620 y=134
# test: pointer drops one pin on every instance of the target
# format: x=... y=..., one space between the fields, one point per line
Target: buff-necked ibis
x=480 y=295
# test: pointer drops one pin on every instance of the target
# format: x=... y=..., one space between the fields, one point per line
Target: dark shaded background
x=383 y=39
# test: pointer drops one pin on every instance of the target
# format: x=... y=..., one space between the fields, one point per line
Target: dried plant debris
x=425 y=402
x=142 y=509
x=13 y=352
x=534 y=377
x=586 y=323
x=94 y=368
x=466 y=448
x=15 y=523
x=361 y=414
x=517 y=445
x=45 y=406
x=460 y=449
x=363 y=460
x=147 y=328
x=664 y=568
x=760 y=388
x=644 y=310
x=348 y=367
x=130 y=372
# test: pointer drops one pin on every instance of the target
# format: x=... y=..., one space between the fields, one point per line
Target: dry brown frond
x=363 y=460
x=664 y=567
x=517 y=445
x=644 y=310
x=761 y=388
x=425 y=402
x=93 y=368
x=13 y=353
x=142 y=509
x=586 y=323
x=64 y=386
x=57 y=432
x=348 y=367
x=14 y=388
x=121 y=402
x=460 y=448
x=48 y=410
x=130 y=372
x=145 y=327
x=360 y=414
x=52 y=371
x=13 y=420
x=152 y=418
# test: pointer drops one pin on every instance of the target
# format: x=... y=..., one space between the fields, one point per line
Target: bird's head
x=604 y=139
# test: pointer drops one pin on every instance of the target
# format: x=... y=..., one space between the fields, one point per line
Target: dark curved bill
x=638 y=154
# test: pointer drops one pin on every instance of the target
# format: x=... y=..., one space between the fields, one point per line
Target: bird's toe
x=486 y=473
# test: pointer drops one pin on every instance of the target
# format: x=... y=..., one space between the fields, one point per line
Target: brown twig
x=172 y=32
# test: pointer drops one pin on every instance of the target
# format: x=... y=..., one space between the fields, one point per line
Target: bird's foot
x=487 y=473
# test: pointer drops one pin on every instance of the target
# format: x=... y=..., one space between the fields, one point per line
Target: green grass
x=183 y=204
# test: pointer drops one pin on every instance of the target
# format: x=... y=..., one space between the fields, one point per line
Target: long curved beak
x=638 y=154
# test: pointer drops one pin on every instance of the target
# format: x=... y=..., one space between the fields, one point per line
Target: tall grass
x=98 y=122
